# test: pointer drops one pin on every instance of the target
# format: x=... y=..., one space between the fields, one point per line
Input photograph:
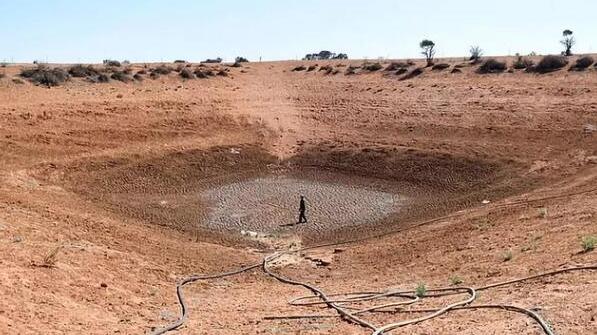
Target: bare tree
x=568 y=41
x=428 y=50
x=476 y=53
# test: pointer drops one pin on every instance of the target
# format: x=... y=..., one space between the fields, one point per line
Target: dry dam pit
x=269 y=204
x=216 y=194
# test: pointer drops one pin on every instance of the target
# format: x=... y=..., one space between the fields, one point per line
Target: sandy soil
x=99 y=205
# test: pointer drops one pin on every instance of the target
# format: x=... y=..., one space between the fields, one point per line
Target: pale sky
x=71 y=31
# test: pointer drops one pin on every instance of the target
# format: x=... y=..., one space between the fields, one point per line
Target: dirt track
x=111 y=172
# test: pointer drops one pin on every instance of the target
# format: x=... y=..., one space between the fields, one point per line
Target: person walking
x=302 y=209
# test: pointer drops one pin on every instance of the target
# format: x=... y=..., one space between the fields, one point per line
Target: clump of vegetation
x=200 y=74
x=215 y=60
x=456 y=70
x=311 y=68
x=351 y=70
x=522 y=63
x=162 y=69
x=240 y=59
x=138 y=77
x=325 y=54
x=327 y=68
x=222 y=73
x=428 y=50
x=414 y=73
x=154 y=75
x=421 y=290
x=142 y=71
x=394 y=66
x=43 y=75
x=507 y=256
x=491 y=65
x=179 y=61
x=588 y=243
x=121 y=76
x=401 y=71
x=299 y=68
x=111 y=62
x=440 y=67
x=455 y=280
x=186 y=73
x=81 y=71
x=50 y=259
x=476 y=53
x=103 y=78
x=550 y=63
x=372 y=67
x=582 y=63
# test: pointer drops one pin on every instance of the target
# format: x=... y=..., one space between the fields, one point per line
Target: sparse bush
x=187 y=74
x=421 y=290
x=372 y=67
x=440 y=67
x=476 y=53
x=216 y=60
x=401 y=70
x=222 y=73
x=588 y=243
x=311 y=68
x=351 y=70
x=138 y=77
x=50 y=259
x=299 y=68
x=455 y=280
x=327 y=68
x=142 y=71
x=162 y=69
x=111 y=62
x=456 y=70
x=414 y=73
x=240 y=59
x=550 y=63
x=492 y=66
x=103 y=78
x=582 y=63
x=178 y=61
x=507 y=256
x=120 y=76
x=43 y=75
x=154 y=75
x=200 y=74
x=522 y=63
x=81 y=71
x=396 y=66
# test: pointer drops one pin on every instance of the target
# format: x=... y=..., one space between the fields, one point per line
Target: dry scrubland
x=102 y=182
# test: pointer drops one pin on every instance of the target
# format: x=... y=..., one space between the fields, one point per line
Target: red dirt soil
x=84 y=167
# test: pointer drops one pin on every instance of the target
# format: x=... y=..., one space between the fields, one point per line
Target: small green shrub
x=455 y=280
x=421 y=290
x=507 y=256
x=588 y=243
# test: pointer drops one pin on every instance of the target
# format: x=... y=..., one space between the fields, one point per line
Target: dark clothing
x=302 y=208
